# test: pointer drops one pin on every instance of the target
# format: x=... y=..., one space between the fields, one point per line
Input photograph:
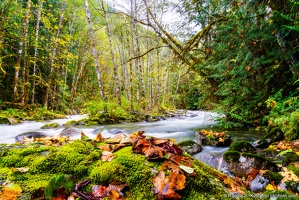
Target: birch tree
x=37 y=27
x=23 y=38
x=53 y=57
x=94 y=51
x=115 y=67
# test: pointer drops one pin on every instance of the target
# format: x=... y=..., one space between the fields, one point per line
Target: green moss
x=290 y=157
x=273 y=176
x=278 y=195
x=231 y=156
x=51 y=125
x=241 y=146
x=186 y=143
x=58 y=181
x=294 y=169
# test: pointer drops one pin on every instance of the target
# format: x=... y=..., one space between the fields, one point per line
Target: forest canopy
x=239 y=58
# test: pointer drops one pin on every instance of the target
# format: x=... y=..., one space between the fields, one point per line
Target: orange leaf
x=99 y=191
x=99 y=137
x=252 y=174
x=153 y=152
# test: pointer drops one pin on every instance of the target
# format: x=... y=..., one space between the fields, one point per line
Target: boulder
x=274 y=135
x=190 y=146
x=20 y=137
x=211 y=138
x=241 y=164
x=259 y=184
x=70 y=132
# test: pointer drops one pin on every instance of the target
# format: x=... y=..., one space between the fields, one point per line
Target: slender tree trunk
x=115 y=67
x=54 y=51
x=81 y=65
x=131 y=99
x=94 y=51
x=39 y=12
x=24 y=34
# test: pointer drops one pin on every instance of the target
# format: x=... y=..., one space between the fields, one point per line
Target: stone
x=211 y=138
x=274 y=135
x=259 y=184
x=190 y=147
x=70 y=132
x=20 y=137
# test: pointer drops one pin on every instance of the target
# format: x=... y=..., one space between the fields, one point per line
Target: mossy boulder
x=241 y=146
x=241 y=159
x=289 y=157
x=51 y=125
x=190 y=146
x=274 y=135
x=50 y=166
x=29 y=135
x=212 y=138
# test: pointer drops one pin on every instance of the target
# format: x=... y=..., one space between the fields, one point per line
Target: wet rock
x=242 y=146
x=8 y=120
x=211 y=138
x=241 y=164
x=215 y=162
x=70 y=132
x=51 y=125
x=20 y=137
x=190 y=146
x=258 y=184
x=289 y=157
x=274 y=135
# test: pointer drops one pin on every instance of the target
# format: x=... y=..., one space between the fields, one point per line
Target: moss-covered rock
x=274 y=135
x=241 y=146
x=51 y=125
x=289 y=157
x=36 y=168
x=190 y=146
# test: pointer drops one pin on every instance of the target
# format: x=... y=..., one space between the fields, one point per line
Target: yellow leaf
x=270 y=187
x=288 y=175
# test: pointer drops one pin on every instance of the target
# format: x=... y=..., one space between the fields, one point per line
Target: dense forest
x=239 y=58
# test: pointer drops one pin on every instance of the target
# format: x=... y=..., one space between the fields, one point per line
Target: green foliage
x=56 y=182
x=284 y=113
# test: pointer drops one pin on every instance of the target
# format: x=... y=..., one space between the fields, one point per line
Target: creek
x=180 y=128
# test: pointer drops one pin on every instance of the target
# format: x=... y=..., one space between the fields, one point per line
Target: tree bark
x=38 y=18
x=94 y=51
x=54 y=51
x=115 y=67
x=24 y=34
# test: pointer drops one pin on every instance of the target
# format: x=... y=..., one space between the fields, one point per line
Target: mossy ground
x=81 y=160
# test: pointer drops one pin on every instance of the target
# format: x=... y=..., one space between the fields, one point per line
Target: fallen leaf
x=107 y=156
x=252 y=174
x=99 y=191
x=288 y=175
x=187 y=169
x=270 y=187
x=23 y=169
x=153 y=152
x=99 y=137
x=165 y=187
x=84 y=137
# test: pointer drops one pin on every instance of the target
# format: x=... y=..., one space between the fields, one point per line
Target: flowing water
x=181 y=128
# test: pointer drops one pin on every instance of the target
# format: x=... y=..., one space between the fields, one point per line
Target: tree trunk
x=54 y=51
x=39 y=12
x=94 y=51
x=115 y=67
x=23 y=38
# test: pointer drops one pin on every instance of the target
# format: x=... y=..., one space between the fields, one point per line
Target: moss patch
x=241 y=146
x=48 y=167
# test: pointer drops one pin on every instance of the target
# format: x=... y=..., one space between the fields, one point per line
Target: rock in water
x=20 y=137
x=70 y=132
x=211 y=138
